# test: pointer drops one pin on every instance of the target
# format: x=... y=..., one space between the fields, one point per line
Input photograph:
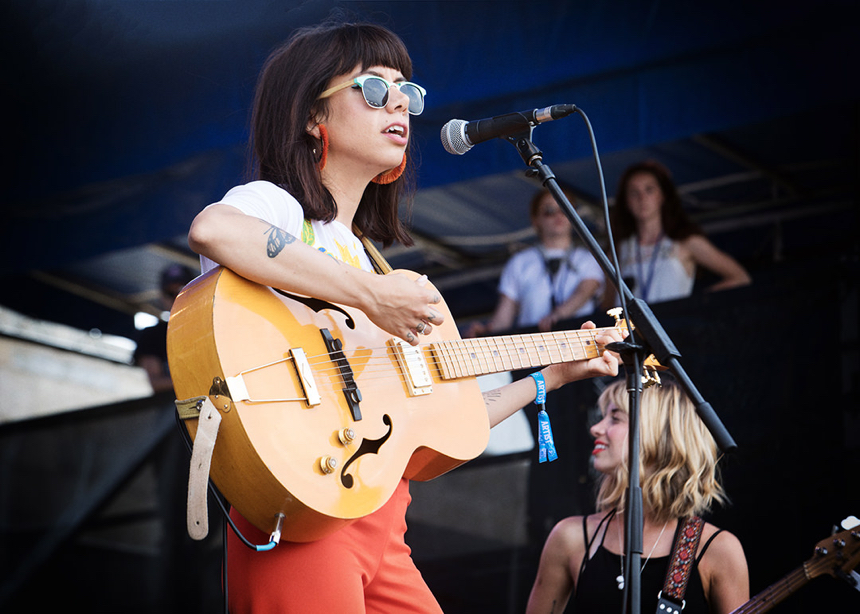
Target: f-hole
x=368 y=446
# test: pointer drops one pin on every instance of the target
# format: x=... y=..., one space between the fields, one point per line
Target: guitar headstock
x=650 y=375
x=836 y=555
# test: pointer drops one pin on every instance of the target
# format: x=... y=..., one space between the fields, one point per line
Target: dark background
x=127 y=118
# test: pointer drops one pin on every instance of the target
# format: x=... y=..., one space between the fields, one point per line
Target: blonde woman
x=582 y=560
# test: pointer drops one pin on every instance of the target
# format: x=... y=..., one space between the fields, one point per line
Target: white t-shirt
x=276 y=206
x=526 y=280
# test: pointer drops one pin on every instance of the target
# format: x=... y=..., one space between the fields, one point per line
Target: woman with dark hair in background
x=659 y=246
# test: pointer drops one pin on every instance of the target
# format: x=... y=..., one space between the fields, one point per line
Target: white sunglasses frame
x=359 y=83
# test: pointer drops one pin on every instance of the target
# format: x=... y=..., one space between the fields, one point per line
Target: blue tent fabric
x=127 y=118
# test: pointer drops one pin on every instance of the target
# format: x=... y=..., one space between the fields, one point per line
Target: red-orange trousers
x=365 y=568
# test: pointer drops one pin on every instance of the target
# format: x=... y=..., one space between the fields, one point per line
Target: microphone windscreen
x=454 y=137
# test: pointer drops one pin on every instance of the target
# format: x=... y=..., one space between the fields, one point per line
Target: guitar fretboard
x=774 y=594
x=482 y=356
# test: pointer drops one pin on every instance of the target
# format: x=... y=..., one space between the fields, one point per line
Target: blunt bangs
x=369 y=45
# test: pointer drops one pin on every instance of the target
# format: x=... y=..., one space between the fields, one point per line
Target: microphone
x=459 y=136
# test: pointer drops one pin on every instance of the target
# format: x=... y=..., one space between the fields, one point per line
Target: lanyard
x=553 y=267
x=645 y=282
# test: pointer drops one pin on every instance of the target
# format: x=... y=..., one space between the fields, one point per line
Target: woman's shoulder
x=724 y=545
x=263 y=188
x=723 y=570
x=570 y=529
x=566 y=541
x=265 y=200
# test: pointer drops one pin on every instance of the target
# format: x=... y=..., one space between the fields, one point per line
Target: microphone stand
x=633 y=355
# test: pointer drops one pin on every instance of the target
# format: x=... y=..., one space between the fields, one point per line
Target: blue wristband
x=546 y=445
x=540 y=397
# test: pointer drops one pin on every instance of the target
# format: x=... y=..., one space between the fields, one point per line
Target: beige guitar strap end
x=209 y=421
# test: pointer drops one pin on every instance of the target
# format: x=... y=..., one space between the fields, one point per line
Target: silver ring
x=421 y=326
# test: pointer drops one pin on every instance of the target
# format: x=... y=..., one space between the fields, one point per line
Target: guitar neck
x=775 y=593
x=485 y=355
x=836 y=554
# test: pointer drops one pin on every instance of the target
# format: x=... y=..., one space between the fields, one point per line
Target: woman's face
x=610 y=439
x=550 y=221
x=363 y=140
x=644 y=197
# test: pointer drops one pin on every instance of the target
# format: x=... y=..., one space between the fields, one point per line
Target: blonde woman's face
x=610 y=439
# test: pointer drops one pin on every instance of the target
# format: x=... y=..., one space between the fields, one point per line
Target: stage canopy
x=125 y=118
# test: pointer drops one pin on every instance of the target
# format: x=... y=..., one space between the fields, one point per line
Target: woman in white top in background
x=552 y=281
x=659 y=246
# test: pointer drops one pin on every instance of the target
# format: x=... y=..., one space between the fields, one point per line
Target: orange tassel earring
x=392 y=175
x=324 y=139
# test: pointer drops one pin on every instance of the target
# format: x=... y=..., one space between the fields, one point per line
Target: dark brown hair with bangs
x=292 y=79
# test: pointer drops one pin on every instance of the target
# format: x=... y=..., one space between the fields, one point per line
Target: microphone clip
x=522 y=141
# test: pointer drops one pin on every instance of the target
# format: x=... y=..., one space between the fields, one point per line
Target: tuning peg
x=616 y=312
x=850 y=522
x=650 y=377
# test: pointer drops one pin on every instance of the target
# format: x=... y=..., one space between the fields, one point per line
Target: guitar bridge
x=350 y=389
x=413 y=366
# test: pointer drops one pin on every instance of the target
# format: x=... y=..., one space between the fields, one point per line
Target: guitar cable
x=222 y=503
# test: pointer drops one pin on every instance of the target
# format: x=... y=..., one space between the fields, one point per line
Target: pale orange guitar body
x=267 y=455
x=290 y=442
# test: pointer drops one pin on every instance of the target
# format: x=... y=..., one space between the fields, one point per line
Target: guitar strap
x=208 y=422
x=671 y=598
x=379 y=263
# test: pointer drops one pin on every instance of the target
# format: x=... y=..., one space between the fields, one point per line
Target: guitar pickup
x=413 y=366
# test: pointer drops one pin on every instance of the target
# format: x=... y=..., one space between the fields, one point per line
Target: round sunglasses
x=375 y=91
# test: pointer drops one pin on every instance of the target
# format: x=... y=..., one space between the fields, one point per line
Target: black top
x=597 y=588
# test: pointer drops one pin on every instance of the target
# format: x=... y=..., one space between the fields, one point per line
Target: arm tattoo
x=278 y=240
x=491 y=396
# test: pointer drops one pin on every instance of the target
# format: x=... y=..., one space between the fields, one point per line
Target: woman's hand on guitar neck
x=505 y=401
x=402 y=306
x=607 y=363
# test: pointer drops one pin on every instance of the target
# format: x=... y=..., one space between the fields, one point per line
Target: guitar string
x=483 y=359
x=780 y=590
x=492 y=352
x=473 y=356
x=787 y=585
x=491 y=356
x=468 y=363
x=467 y=348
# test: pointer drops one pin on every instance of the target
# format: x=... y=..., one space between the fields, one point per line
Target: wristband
x=546 y=445
x=540 y=382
